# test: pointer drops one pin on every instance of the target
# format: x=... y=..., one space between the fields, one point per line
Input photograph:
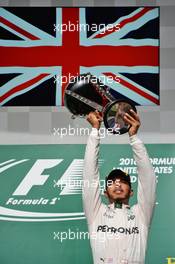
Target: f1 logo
x=35 y=176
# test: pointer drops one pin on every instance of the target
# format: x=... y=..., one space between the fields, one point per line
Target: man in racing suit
x=118 y=232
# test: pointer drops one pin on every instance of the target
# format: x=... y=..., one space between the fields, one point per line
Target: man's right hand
x=95 y=119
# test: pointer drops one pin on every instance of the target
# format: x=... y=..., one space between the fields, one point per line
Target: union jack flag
x=37 y=57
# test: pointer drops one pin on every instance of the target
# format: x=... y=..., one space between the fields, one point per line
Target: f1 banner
x=41 y=214
x=43 y=48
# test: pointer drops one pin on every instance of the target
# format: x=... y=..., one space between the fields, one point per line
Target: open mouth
x=118 y=191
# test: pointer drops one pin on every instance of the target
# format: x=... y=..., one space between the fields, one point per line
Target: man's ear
x=131 y=193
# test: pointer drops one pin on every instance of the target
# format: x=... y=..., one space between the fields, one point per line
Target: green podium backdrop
x=41 y=215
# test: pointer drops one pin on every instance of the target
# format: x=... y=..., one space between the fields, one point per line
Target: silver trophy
x=86 y=93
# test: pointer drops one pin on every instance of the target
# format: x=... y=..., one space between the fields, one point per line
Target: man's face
x=118 y=189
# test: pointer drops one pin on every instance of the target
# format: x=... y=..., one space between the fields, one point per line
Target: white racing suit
x=118 y=235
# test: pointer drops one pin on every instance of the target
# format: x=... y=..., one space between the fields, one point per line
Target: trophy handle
x=85 y=100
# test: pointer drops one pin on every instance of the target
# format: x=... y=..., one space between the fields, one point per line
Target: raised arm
x=146 y=180
x=146 y=177
x=91 y=188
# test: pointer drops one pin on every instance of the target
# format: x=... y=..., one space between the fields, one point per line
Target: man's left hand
x=133 y=120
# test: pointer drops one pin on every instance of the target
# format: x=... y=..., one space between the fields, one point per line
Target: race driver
x=118 y=232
